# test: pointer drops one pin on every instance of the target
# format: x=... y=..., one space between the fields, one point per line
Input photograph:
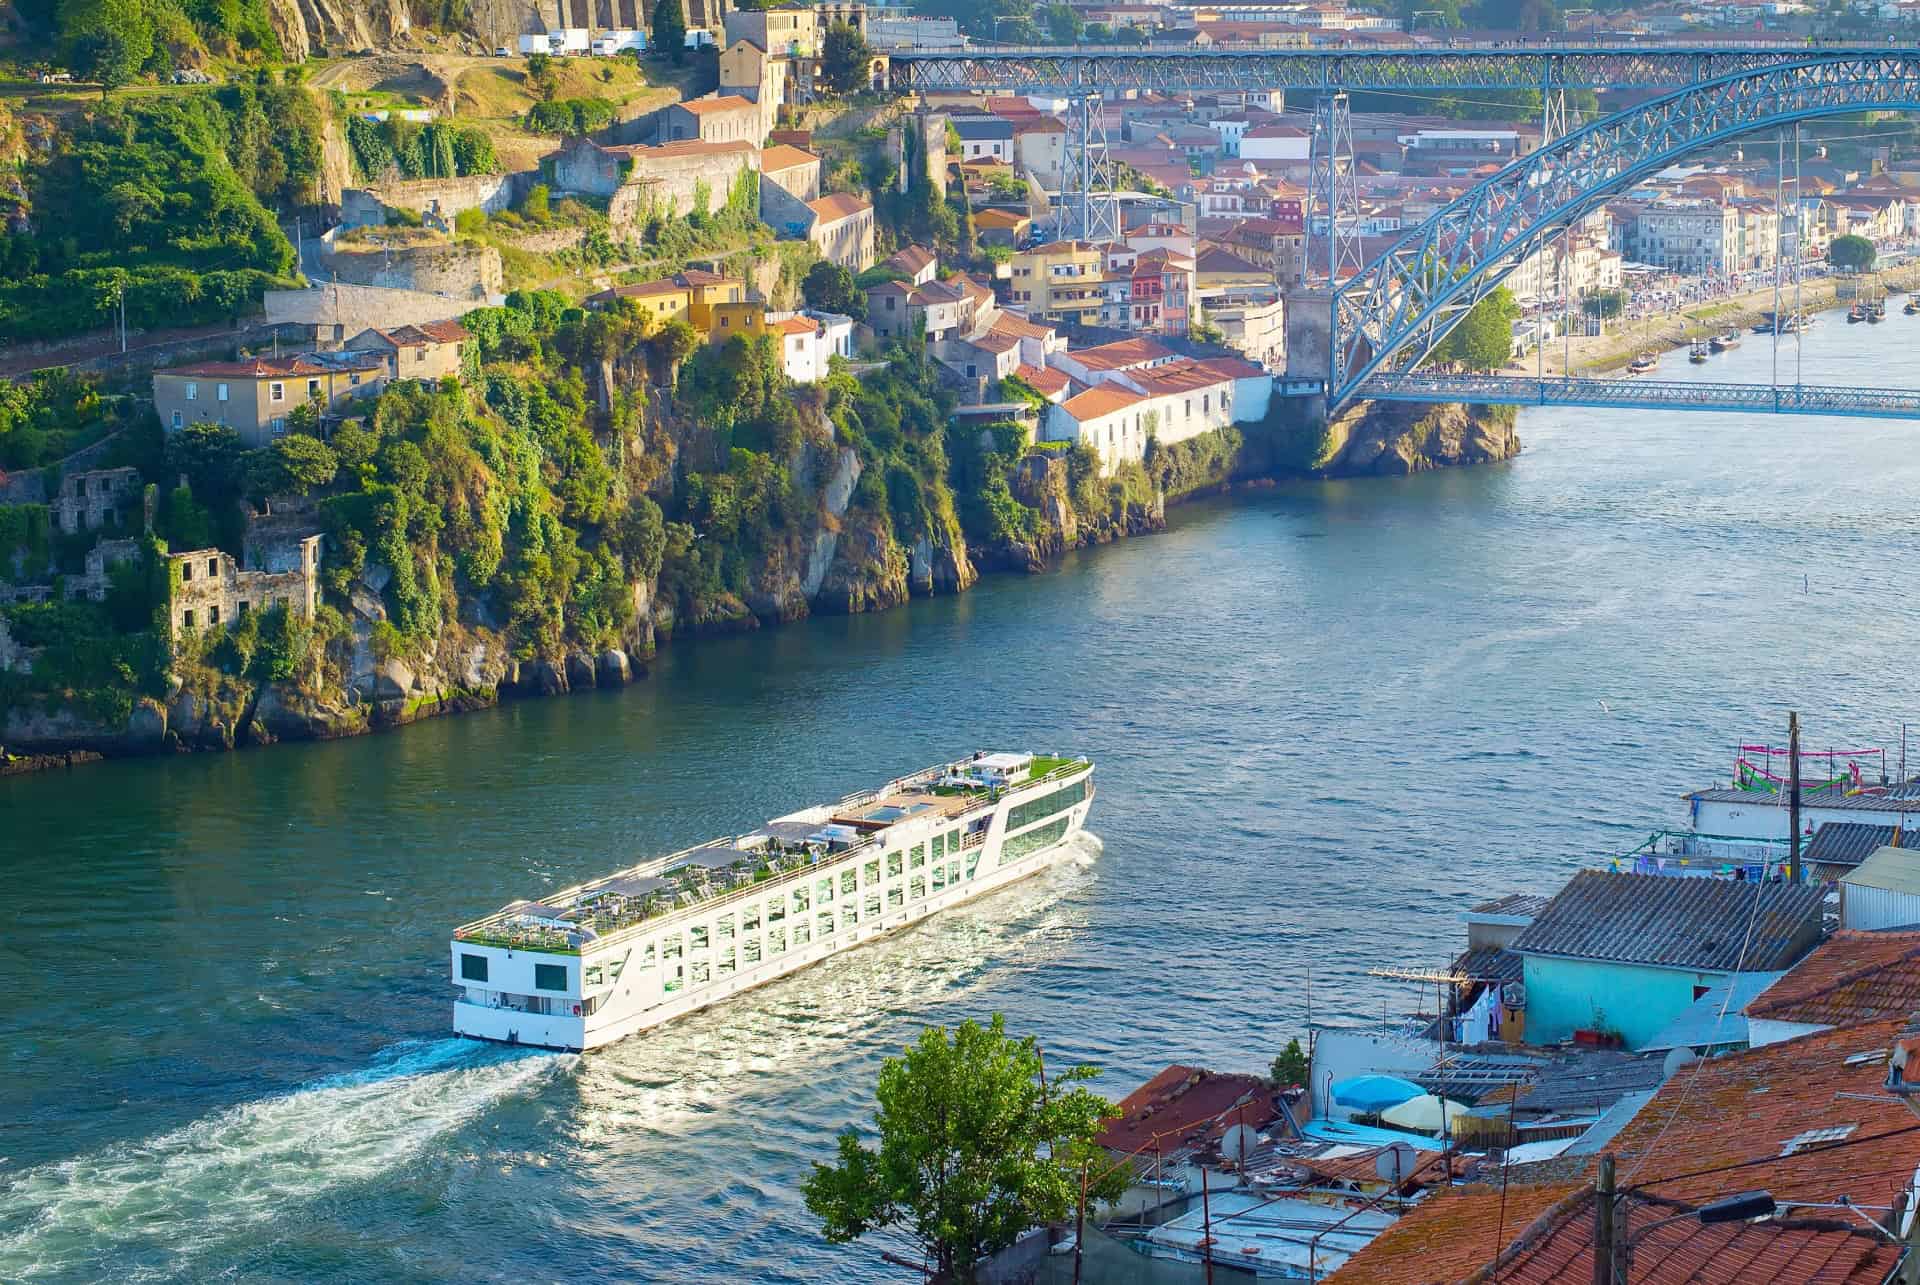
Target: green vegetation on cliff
x=163 y=202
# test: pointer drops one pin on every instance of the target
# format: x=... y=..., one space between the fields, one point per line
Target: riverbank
x=1599 y=354
x=357 y=688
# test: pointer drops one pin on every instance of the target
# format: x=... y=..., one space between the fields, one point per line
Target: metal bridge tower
x=1333 y=191
x=1087 y=210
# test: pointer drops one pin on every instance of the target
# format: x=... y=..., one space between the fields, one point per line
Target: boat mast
x=1793 y=797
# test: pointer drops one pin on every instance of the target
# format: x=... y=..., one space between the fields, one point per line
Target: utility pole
x=1080 y=1226
x=1793 y=797
x=1603 y=1244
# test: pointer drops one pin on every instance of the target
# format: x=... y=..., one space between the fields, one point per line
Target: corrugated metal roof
x=1891 y=869
x=1674 y=922
x=1847 y=843
x=1516 y=905
x=1844 y=802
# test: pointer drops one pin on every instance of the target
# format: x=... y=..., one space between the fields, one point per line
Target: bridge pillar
x=1309 y=315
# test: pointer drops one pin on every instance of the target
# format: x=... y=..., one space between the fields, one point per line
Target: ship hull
x=645 y=1002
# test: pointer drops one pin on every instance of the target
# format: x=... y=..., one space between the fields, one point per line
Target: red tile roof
x=445 y=332
x=1013 y=323
x=1182 y=1102
x=1101 y=400
x=836 y=206
x=715 y=105
x=1045 y=379
x=1122 y=354
x=911 y=259
x=1452 y=1235
x=778 y=156
x=274 y=367
x=1852 y=977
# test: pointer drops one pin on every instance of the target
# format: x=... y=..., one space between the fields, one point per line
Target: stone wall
x=211 y=589
x=333 y=313
x=447 y=197
x=95 y=498
x=668 y=185
x=460 y=270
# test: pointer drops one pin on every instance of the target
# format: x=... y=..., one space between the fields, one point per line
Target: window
x=873 y=905
x=242 y=604
x=176 y=419
x=213 y=615
x=550 y=977
x=776 y=941
x=802 y=932
x=726 y=962
x=723 y=927
x=750 y=950
x=823 y=892
x=825 y=925
x=420 y=353
x=939 y=846
x=918 y=857
x=220 y=392
x=750 y=918
x=193 y=391
x=800 y=898
x=186 y=619
x=848 y=882
x=917 y=887
x=354 y=379
x=872 y=873
x=276 y=392
x=670 y=947
x=186 y=572
x=896 y=897
x=699 y=938
x=313 y=388
x=1045 y=806
x=213 y=566
x=473 y=968
x=279 y=425
x=893 y=863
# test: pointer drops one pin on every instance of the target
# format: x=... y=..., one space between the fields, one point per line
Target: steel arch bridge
x=1390 y=315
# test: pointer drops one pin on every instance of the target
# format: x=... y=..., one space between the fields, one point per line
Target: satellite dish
x=1238 y=1143
x=1394 y=1163
x=1675 y=1059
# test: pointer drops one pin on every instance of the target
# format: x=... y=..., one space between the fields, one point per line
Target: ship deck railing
x=503 y=928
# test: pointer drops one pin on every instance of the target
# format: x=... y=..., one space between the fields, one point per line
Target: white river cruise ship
x=589 y=965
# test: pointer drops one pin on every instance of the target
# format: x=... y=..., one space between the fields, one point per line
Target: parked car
x=503 y=52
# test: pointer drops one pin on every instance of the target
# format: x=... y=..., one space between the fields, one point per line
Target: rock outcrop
x=1393 y=439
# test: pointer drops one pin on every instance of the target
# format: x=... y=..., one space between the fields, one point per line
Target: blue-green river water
x=1327 y=718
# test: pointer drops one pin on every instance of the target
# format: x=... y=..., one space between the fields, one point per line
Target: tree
x=845 y=60
x=108 y=57
x=831 y=288
x=670 y=29
x=674 y=343
x=1290 y=1068
x=294 y=465
x=210 y=456
x=1604 y=304
x=973 y=1150
x=1064 y=24
x=541 y=75
x=1851 y=253
x=1484 y=338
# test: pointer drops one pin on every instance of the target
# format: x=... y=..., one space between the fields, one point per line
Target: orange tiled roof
x=1103 y=399
x=714 y=105
x=779 y=156
x=1181 y=1101
x=1449 y=1237
x=836 y=206
x=1013 y=323
x=1121 y=354
x=1045 y=379
x=1851 y=977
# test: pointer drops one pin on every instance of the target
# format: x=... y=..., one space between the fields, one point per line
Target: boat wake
x=179 y=1192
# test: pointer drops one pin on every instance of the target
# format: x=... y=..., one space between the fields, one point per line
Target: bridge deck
x=1646 y=394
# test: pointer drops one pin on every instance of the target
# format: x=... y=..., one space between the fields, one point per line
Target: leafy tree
x=1484 y=338
x=1851 y=253
x=1064 y=24
x=674 y=343
x=1605 y=304
x=845 y=60
x=1290 y=1068
x=972 y=1149
x=294 y=465
x=108 y=56
x=670 y=29
x=830 y=287
x=211 y=457
x=543 y=78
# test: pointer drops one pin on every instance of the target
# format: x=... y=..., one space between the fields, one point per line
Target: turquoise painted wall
x=1567 y=995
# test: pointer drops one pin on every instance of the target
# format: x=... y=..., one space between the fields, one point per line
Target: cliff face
x=1393 y=439
x=343 y=25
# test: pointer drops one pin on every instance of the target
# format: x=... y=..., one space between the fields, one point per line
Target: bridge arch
x=1405 y=301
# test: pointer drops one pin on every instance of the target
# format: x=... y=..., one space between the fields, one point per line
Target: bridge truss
x=1647 y=394
x=1391 y=315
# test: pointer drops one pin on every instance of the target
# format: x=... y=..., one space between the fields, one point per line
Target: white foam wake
x=249 y=1163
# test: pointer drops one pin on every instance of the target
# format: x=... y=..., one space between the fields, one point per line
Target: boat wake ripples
x=181 y=1191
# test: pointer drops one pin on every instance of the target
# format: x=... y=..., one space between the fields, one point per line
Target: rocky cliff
x=343 y=26
x=1393 y=439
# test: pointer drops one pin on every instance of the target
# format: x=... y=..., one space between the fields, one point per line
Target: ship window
x=826 y=924
x=800 y=900
x=919 y=857
x=473 y=968
x=895 y=864
x=701 y=973
x=726 y=961
x=670 y=947
x=847 y=882
x=953 y=872
x=939 y=846
x=873 y=905
x=823 y=891
x=802 y=932
x=646 y=959
x=872 y=873
x=939 y=878
x=953 y=841
x=699 y=935
x=776 y=910
x=723 y=927
x=549 y=977
x=917 y=887
x=1047 y=805
x=750 y=918
x=849 y=918
x=750 y=950
x=776 y=940
x=896 y=897
x=593 y=975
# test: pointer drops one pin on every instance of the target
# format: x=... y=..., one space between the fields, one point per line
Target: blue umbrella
x=1375 y=1092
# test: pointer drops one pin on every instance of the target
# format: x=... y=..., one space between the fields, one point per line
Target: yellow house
x=663 y=301
x=730 y=319
x=706 y=291
x=1059 y=282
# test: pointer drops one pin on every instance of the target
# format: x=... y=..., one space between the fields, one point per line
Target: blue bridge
x=1645 y=394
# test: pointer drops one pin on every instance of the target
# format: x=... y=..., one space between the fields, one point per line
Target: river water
x=1327 y=717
